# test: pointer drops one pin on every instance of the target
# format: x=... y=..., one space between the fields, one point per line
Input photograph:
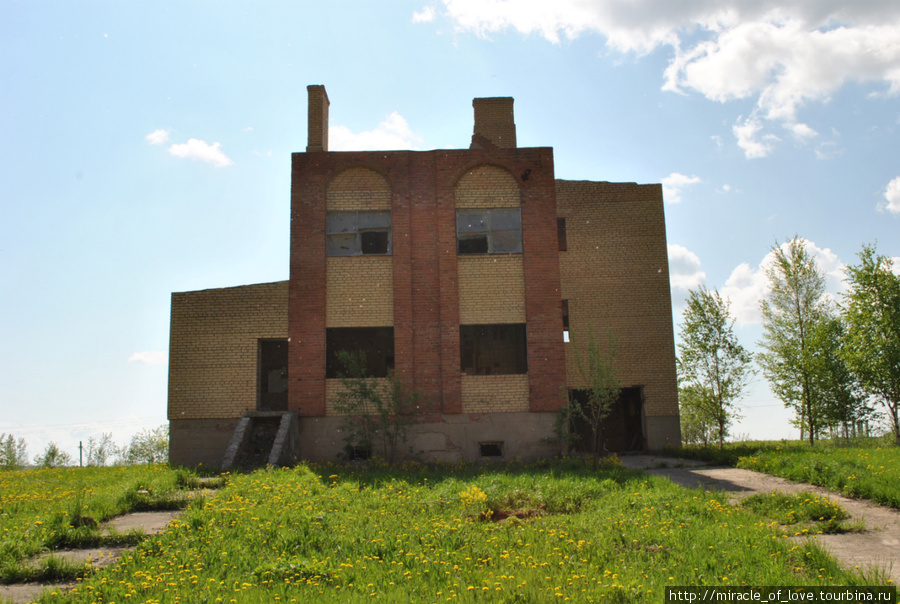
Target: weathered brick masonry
x=423 y=286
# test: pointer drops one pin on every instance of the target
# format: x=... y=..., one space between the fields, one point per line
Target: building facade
x=471 y=274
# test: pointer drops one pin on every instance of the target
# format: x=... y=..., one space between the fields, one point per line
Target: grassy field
x=868 y=470
x=512 y=533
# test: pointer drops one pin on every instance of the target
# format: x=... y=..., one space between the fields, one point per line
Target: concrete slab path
x=877 y=547
x=150 y=523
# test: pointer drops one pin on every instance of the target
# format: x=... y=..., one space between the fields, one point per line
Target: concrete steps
x=263 y=438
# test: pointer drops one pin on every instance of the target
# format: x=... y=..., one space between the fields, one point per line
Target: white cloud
x=673 y=183
x=158 y=137
x=392 y=133
x=684 y=268
x=784 y=54
x=828 y=150
x=202 y=151
x=426 y=15
x=802 y=132
x=892 y=197
x=149 y=357
x=747 y=286
x=749 y=139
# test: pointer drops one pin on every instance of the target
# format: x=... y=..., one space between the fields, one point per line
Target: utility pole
x=80 y=450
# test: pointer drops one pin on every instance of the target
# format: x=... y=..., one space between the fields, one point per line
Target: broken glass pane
x=341 y=222
x=342 y=245
x=506 y=220
x=374 y=220
x=472 y=222
x=506 y=242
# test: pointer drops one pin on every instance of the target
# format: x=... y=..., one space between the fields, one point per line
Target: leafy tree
x=697 y=426
x=101 y=451
x=13 y=452
x=601 y=385
x=872 y=314
x=711 y=360
x=791 y=312
x=53 y=457
x=841 y=397
x=148 y=446
x=375 y=411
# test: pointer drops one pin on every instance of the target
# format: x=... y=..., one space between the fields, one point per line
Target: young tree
x=148 y=446
x=13 y=452
x=53 y=457
x=101 y=451
x=791 y=312
x=711 y=360
x=841 y=398
x=375 y=411
x=872 y=314
x=697 y=427
x=596 y=367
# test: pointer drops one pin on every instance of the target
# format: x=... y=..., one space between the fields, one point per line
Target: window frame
x=478 y=341
x=345 y=225
x=360 y=339
x=491 y=224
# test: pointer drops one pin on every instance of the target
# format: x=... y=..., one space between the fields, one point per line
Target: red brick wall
x=426 y=296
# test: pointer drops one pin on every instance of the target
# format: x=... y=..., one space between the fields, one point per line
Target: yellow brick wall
x=487 y=187
x=494 y=393
x=213 y=347
x=360 y=291
x=491 y=289
x=358 y=189
x=615 y=276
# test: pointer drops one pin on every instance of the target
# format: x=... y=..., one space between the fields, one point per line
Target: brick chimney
x=494 y=123
x=318 y=119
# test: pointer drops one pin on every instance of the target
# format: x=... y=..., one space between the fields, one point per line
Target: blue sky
x=146 y=150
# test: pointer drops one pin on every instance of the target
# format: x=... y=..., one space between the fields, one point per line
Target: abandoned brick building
x=465 y=271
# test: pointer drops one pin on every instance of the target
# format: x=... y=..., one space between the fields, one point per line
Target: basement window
x=493 y=349
x=374 y=344
x=489 y=231
x=358 y=233
x=494 y=449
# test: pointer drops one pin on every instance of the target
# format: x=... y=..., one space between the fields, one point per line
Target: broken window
x=376 y=344
x=493 y=349
x=273 y=375
x=358 y=233
x=489 y=231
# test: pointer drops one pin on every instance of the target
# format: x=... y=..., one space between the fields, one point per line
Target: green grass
x=872 y=474
x=870 y=469
x=812 y=513
x=512 y=533
x=52 y=509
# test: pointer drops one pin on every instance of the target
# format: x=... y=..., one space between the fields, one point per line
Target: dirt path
x=876 y=547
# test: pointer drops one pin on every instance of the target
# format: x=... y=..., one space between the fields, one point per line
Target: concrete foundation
x=457 y=437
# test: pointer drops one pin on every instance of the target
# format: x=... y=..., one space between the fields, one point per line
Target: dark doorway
x=623 y=428
x=273 y=375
